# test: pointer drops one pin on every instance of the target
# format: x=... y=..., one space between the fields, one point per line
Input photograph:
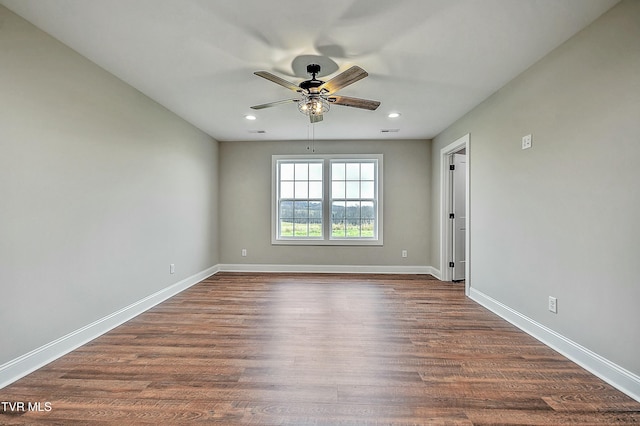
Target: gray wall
x=100 y=190
x=245 y=204
x=561 y=218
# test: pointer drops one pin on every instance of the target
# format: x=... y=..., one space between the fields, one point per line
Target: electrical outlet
x=553 y=304
x=404 y=253
x=244 y=252
x=526 y=142
x=172 y=268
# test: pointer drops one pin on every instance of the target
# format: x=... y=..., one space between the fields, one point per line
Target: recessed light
x=250 y=117
x=394 y=115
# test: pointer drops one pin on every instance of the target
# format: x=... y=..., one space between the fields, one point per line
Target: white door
x=457 y=216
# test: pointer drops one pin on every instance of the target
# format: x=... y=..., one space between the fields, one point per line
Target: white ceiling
x=430 y=60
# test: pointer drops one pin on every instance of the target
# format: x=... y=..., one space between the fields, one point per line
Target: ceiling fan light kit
x=313 y=105
x=316 y=95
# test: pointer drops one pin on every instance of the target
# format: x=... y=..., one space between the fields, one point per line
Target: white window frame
x=327 y=239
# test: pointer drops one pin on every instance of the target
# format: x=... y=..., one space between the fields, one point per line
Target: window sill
x=336 y=242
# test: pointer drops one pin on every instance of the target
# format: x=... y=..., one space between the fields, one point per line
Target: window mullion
x=326 y=195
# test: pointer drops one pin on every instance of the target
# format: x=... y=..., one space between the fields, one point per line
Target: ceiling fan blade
x=354 y=102
x=281 y=81
x=315 y=118
x=272 y=104
x=344 y=79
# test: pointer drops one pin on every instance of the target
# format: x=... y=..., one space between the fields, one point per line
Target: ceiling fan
x=316 y=96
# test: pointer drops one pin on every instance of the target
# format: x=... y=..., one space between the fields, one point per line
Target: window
x=353 y=199
x=300 y=199
x=327 y=200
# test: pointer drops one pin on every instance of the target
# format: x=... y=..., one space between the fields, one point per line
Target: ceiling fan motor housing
x=310 y=85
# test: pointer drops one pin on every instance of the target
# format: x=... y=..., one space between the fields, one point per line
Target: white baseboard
x=330 y=269
x=436 y=273
x=616 y=376
x=29 y=362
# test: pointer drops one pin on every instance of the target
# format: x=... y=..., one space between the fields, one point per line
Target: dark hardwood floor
x=272 y=349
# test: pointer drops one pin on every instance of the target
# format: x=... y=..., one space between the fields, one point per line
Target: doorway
x=454 y=223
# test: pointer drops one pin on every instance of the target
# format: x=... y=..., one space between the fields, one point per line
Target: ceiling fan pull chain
x=311 y=138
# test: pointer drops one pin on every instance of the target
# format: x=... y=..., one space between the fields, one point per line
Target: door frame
x=446 y=237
